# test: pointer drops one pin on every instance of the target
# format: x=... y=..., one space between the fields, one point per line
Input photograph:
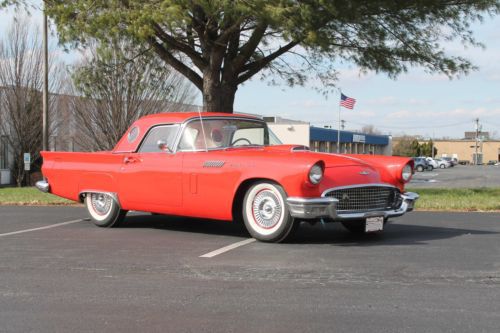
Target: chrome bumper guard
x=324 y=207
x=312 y=208
x=43 y=186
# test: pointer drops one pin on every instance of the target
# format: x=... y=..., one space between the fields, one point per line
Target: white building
x=325 y=139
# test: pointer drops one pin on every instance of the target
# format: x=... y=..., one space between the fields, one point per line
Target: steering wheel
x=241 y=139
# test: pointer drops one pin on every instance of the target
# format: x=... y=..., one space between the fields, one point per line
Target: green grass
x=475 y=199
x=29 y=196
x=480 y=199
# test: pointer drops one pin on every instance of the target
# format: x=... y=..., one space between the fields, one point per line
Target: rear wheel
x=442 y=166
x=420 y=168
x=266 y=213
x=104 y=210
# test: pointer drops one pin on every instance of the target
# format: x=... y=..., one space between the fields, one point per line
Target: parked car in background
x=442 y=163
x=432 y=162
x=492 y=162
x=421 y=164
x=453 y=161
x=229 y=167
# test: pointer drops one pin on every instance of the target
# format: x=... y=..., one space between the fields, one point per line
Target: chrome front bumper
x=43 y=186
x=325 y=207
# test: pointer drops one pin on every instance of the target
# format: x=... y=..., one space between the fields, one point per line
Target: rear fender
x=97 y=182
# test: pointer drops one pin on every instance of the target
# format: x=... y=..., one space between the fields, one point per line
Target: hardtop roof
x=179 y=117
x=145 y=123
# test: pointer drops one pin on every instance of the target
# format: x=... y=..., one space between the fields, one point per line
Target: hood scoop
x=300 y=148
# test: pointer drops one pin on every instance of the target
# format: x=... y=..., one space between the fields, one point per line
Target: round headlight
x=316 y=174
x=406 y=173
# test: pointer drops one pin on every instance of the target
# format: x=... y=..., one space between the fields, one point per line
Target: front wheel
x=420 y=168
x=104 y=210
x=442 y=166
x=266 y=213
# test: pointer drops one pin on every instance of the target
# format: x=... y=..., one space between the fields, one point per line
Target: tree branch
x=253 y=68
x=250 y=46
x=176 y=44
x=176 y=63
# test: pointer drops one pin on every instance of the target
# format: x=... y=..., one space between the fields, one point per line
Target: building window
x=322 y=146
x=4 y=152
x=314 y=145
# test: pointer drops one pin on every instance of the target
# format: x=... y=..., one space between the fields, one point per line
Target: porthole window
x=133 y=134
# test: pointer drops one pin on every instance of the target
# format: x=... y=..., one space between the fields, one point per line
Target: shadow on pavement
x=329 y=233
x=394 y=234
x=184 y=224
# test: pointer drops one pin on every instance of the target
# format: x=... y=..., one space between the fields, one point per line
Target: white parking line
x=227 y=248
x=41 y=228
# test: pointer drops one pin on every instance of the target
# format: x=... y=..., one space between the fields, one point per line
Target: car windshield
x=224 y=133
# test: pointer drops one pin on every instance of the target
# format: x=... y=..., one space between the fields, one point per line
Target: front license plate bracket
x=374 y=223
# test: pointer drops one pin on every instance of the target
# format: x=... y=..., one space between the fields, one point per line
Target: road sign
x=27 y=161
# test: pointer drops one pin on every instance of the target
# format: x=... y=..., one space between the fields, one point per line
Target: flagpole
x=338 y=128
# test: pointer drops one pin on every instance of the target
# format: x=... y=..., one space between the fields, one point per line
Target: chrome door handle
x=129 y=159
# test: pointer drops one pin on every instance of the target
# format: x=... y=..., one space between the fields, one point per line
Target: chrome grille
x=366 y=198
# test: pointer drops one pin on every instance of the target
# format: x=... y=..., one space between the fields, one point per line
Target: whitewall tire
x=266 y=214
x=104 y=210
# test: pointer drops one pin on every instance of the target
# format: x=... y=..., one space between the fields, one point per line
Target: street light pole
x=45 y=111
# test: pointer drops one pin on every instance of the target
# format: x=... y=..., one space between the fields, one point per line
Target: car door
x=151 y=178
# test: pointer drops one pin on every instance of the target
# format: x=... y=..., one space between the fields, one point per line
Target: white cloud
x=350 y=75
x=308 y=104
x=384 y=101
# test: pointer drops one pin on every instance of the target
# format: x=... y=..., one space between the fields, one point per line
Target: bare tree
x=116 y=83
x=21 y=79
x=370 y=129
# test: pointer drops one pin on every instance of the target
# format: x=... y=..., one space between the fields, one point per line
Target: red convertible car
x=229 y=167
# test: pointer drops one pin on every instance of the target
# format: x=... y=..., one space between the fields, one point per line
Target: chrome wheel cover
x=266 y=209
x=101 y=203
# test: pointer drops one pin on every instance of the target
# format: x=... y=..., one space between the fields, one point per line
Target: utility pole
x=343 y=124
x=45 y=111
x=477 y=139
x=432 y=148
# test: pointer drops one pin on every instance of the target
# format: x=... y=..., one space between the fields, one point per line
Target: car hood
x=340 y=170
x=331 y=160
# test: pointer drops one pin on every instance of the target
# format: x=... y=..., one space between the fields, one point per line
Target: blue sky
x=416 y=103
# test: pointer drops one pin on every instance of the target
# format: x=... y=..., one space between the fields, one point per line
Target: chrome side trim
x=113 y=195
x=213 y=164
x=355 y=186
x=43 y=186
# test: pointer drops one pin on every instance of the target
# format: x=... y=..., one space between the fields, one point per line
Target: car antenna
x=203 y=130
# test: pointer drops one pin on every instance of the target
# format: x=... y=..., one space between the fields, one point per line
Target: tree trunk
x=218 y=97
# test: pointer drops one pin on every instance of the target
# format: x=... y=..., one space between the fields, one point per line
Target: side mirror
x=162 y=145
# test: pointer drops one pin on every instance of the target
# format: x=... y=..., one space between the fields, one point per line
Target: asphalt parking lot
x=460 y=176
x=433 y=272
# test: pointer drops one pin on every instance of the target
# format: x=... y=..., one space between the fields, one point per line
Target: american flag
x=347 y=102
